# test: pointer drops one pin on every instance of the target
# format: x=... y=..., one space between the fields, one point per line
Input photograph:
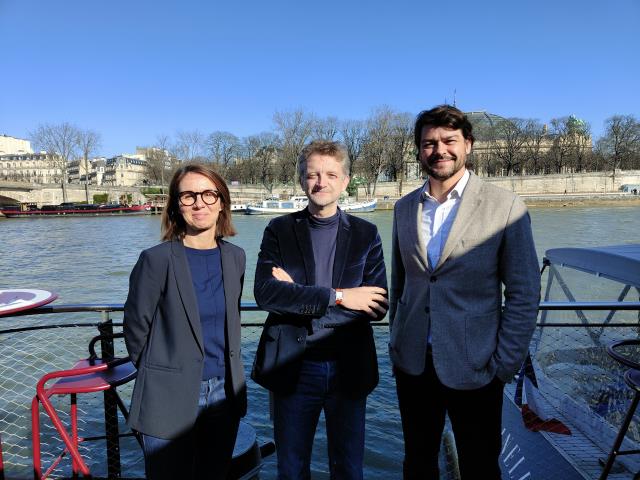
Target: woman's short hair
x=173 y=224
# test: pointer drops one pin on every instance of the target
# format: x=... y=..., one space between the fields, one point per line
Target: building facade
x=125 y=171
x=14 y=146
x=31 y=168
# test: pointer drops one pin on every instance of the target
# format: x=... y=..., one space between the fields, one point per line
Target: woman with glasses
x=182 y=331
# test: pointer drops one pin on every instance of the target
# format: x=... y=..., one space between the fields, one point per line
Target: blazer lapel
x=409 y=224
x=343 y=242
x=185 y=289
x=301 y=228
x=469 y=202
x=228 y=269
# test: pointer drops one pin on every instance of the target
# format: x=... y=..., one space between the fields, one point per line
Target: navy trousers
x=296 y=418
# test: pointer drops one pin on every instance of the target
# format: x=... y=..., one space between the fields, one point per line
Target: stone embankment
x=570 y=189
x=556 y=200
x=536 y=190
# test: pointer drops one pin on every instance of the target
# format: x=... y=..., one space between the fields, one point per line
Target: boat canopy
x=620 y=263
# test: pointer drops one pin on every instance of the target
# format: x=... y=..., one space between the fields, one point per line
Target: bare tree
x=60 y=140
x=579 y=142
x=508 y=144
x=224 y=148
x=400 y=148
x=561 y=148
x=325 y=128
x=160 y=161
x=620 y=142
x=354 y=135
x=89 y=143
x=262 y=152
x=376 y=147
x=534 y=136
x=189 y=146
x=294 y=129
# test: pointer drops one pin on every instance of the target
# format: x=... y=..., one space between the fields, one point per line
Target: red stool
x=87 y=376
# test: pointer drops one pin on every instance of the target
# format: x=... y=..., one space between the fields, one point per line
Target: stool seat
x=96 y=381
x=632 y=378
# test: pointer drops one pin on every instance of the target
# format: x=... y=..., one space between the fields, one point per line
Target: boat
x=358 y=207
x=238 y=208
x=572 y=379
x=75 y=209
x=278 y=207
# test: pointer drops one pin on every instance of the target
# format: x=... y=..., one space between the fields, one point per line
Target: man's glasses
x=188 y=198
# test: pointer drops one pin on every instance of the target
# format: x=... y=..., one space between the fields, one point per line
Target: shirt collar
x=456 y=191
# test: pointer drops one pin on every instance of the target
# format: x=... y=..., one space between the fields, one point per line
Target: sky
x=134 y=70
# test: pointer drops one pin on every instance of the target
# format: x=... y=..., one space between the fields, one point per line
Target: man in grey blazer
x=457 y=241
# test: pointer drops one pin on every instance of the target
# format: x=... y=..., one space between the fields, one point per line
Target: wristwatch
x=338 y=296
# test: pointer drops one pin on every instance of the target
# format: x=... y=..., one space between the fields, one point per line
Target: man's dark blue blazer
x=358 y=262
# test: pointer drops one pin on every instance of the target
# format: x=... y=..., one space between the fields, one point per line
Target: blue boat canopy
x=620 y=263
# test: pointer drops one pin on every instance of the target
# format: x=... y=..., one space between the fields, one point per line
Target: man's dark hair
x=443 y=116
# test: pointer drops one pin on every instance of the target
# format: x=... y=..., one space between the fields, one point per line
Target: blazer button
x=231 y=353
x=299 y=339
x=433 y=279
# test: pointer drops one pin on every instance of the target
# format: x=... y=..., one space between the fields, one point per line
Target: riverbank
x=557 y=200
x=582 y=200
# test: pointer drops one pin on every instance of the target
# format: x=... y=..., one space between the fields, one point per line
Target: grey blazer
x=473 y=338
x=164 y=338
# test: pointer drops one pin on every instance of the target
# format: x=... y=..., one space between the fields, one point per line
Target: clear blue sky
x=134 y=69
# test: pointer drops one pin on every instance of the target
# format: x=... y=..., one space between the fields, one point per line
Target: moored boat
x=296 y=203
x=238 y=208
x=72 y=209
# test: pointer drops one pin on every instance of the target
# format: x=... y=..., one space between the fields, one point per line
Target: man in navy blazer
x=321 y=275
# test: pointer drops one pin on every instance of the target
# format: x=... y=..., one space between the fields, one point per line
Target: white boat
x=296 y=203
x=238 y=207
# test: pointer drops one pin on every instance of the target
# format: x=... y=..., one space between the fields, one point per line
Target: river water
x=88 y=260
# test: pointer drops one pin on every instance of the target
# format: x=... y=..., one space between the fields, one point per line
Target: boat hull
x=98 y=212
x=357 y=207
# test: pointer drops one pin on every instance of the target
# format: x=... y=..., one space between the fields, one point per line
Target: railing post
x=112 y=431
x=1 y=461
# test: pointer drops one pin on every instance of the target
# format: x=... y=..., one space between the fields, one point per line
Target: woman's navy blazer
x=164 y=339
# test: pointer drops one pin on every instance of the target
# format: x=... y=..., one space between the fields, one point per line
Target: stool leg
x=35 y=438
x=623 y=430
x=73 y=450
x=74 y=431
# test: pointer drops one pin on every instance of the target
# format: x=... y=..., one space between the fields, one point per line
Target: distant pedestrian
x=457 y=241
x=182 y=331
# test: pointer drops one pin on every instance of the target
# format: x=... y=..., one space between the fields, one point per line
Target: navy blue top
x=324 y=234
x=206 y=275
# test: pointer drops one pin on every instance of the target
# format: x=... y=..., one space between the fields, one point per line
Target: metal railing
x=32 y=346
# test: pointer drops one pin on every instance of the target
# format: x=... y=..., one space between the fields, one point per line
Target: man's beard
x=457 y=165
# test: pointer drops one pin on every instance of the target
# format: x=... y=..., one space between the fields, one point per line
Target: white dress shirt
x=437 y=218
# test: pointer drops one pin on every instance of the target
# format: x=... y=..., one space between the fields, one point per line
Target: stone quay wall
x=578 y=183
x=568 y=184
